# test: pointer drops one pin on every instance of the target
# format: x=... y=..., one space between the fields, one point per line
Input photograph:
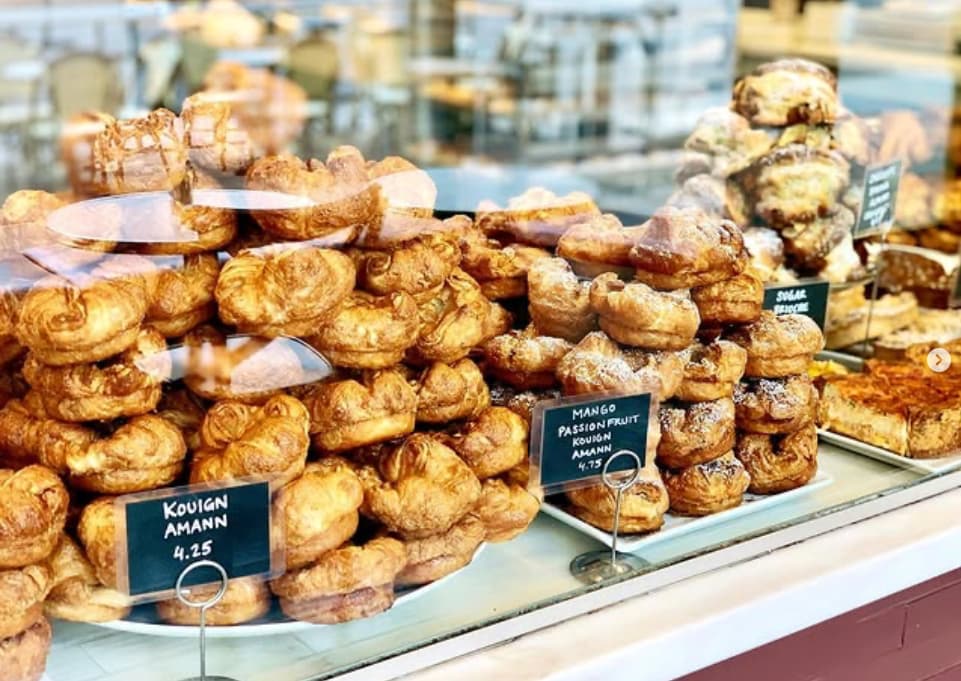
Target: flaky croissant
x=184 y=295
x=418 y=267
x=76 y=594
x=491 y=444
x=449 y=392
x=28 y=435
x=453 y=322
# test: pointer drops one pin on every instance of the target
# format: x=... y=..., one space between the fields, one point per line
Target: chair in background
x=83 y=81
x=314 y=64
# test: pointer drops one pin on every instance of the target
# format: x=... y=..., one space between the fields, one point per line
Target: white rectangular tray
x=677 y=526
x=939 y=465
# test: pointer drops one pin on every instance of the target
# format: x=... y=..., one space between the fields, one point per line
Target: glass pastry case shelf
x=505 y=581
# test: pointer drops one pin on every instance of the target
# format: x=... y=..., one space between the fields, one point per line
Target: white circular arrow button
x=939 y=360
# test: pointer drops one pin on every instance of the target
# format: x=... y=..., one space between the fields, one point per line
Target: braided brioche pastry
x=88 y=317
x=450 y=392
x=491 y=444
x=506 y=508
x=348 y=414
x=558 y=301
x=127 y=385
x=184 y=295
x=278 y=291
x=215 y=140
x=319 y=510
x=453 y=322
x=599 y=244
x=538 y=216
x=418 y=489
x=635 y=314
x=240 y=440
x=417 y=267
x=525 y=359
x=500 y=270
x=245 y=599
x=432 y=558
x=345 y=584
x=77 y=594
x=24 y=657
x=334 y=196
x=22 y=592
x=33 y=510
x=28 y=435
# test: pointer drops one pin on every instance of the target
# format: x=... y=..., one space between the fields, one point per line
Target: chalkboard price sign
x=574 y=437
x=879 y=198
x=806 y=298
x=164 y=532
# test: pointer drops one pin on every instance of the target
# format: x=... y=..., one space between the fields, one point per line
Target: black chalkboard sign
x=575 y=436
x=167 y=531
x=808 y=298
x=879 y=198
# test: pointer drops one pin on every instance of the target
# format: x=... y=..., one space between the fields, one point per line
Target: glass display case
x=347 y=343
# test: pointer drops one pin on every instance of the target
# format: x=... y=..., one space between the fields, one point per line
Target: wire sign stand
x=183 y=595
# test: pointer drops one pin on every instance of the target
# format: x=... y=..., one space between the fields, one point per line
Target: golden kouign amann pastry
x=787 y=91
x=778 y=463
x=215 y=139
x=808 y=244
x=417 y=267
x=452 y=323
x=707 y=487
x=28 y=435
x=491 y=444
x=692 y=433
x=33 y=511
x=643 y=504
x=779 y=345
x=77 y=594
x=315 y=199
x=22 y=592
x=345 y=584
x=597 y=365
x=635 y=314
x=559 y=302
x=500 y=270
x=184 y=295
x=685 y=247
x=525 y=359
x=246 y=369
x=283 y=290
x=184 y=410
x=23 y=220
x=432 y=558
x=737 y=300
x=127 y=385
x=145 y=154
x=712 y=371
x=368 y=332
x=88 y=317
x=244 y=600
x=506 y=509
x=319 y=510
x=240 y=440
x=348 y=414
x=722 y=198
x=144 y=453
x=538 y=216
x=728 y=141
x=597 y=245
x=97 y=531
x=498 y=321
x=798 y=184
x=418 y=489
x=664 y=369
x=24 y=657
x=450 y=392
x=775 y=405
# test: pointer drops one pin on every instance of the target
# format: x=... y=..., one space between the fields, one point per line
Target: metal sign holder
x=594 y=567
x=183 y=596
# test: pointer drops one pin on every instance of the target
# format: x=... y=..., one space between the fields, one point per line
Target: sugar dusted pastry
x=321 y=198
x=491 y=444
x=417 y=267
x=728 y=141
x=420 y=488
x=245 y=599
x=319 y=510
x=500 y=270
x=76 y=594
x=778 y=463
x=714 y=196
x=643 y=504
x=144 y=453
x=737 y=300
x=432 y=558
x=240 y=440
x=798 y=184
x=779 y=345
x=28 y=435
x=597 y=245
x=90 y=316
x=345 y=584
x=348 y=414
x=765 y=248
x=127 y=385
x=368 y=332
x=558 y=301
x=664 y=369
x=283 y=290
x=695 y=433
x=809 y=244
x=707 y=487
x=33 y=510
x=597 y=365
x=711 y=371
x=787 y=91
x=23 y=591
x=216 y=141
x=450 y=392
x=453 y=322
x=184 y=294
x=682 y=248
x=506 y=509
x=24 y=657
x=525 y=359
x=538 y=216
x=775 y=405
x=635 y=314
